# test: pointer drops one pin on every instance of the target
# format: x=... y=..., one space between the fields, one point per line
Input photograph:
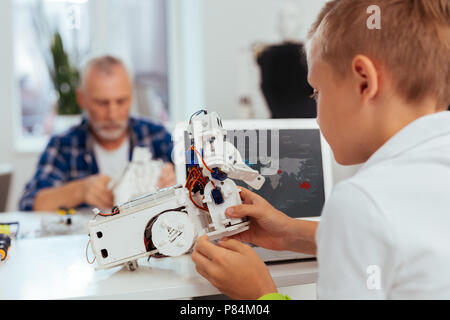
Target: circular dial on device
x=173 y=233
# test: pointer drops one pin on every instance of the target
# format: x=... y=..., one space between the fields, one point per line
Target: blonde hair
x=413 y=42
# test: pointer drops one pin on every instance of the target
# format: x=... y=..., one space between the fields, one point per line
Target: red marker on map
x=305 y=185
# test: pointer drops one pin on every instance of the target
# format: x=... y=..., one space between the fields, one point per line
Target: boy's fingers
x=243 y=236
x=203 y=265
x=208 y=249
x=246 y=195
x=243 y=210
x=200 y=260
x=232 y=244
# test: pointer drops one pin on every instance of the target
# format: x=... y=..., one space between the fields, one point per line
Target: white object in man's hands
x=140 y=177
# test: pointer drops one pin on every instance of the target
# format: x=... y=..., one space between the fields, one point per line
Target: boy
x=381 y=95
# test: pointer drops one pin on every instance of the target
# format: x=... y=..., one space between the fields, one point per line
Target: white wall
x=6 y=82
x=207 y=39
x=185 y=46
x=111 y=30
x=231 y=26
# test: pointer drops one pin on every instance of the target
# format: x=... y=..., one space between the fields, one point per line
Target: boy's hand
x=234 y=268
x=268 y=226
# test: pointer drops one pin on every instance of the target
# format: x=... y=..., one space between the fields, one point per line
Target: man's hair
x=413 y=43
x=103 y=64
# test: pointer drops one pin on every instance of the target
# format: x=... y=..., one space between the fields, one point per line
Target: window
x=35 y=22
x=133 y=30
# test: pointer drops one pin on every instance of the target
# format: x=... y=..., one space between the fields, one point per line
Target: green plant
x=65 y=78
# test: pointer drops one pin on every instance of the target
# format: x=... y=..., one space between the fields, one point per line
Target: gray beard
x=109 y=135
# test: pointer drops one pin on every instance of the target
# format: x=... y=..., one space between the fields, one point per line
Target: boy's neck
x=395 y=116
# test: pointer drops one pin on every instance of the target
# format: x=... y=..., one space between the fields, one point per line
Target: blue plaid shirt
x=70 y=156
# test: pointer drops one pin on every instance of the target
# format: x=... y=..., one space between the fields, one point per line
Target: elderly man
x=77 y=166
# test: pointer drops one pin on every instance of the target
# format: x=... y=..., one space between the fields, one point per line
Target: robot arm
x=237 y=169
x=208 y=135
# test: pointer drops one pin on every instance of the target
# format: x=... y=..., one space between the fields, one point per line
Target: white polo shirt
x=385 y=232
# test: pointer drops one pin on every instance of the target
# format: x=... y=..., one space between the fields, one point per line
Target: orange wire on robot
x=201 y=182
x=108 y=214
x=201 y=158
x=195 y=178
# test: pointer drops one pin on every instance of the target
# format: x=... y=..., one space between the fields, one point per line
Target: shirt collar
x=417 y=132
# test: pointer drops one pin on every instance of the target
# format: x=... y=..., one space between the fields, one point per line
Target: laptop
x=293 y=157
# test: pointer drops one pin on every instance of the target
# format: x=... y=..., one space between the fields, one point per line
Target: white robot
x=169 y=221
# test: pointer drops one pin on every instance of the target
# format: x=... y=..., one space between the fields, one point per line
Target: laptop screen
x=291 y=162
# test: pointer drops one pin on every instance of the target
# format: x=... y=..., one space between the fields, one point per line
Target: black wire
x=197 y=113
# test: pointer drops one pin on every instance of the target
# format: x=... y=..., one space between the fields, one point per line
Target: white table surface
x=55 y=267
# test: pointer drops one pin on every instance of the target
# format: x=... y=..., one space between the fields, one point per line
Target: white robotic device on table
x=169 y=221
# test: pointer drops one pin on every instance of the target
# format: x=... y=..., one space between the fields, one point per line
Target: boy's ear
x=366 y=77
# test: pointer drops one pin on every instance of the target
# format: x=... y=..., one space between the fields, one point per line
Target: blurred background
x=183 y=55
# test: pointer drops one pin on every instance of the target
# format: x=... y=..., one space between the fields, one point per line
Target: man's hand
x=168 y=177
x=234 y=268
x=96 y=193
x=92 y=190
